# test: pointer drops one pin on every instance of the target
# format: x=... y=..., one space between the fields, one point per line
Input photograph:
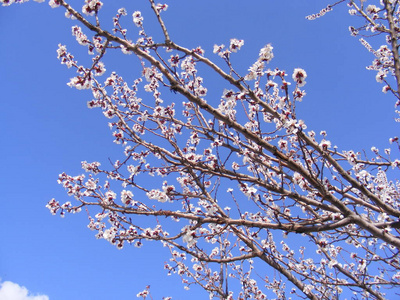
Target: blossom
x=79 y=83
x=81 y=38
x=218 y=48
x=395 y=163
x=266 y=53
x=193 y=157
x=7 y=2
x=161 y=7
x=320 y=14
x=91 y=184
x=109 y=197
x=300 y=180
x=236 y=45
x=249 y=191
x=325 y=144
x=283 y=144
x=119 y=136
x=362 y=265
x=137 y=18
x=311 y=134
x=298 y=94
x=91 y=167
x=174 y=60
x=109 y=234
x=385 y=89
x=372 y=9
x=134 y=170
x=299 y=75
x=189 y=237
x=122 y=11
x=157 y=195
x=91 y=7
x=255 y=70
x=61 y=51
x=380 y=76
x=352 y=12
x=143 y=294
x=126 y=197
x=99 y=69
x=53 y=206
x=54 y=3
x=197 y=267
x=199 y=50
x=293 y=126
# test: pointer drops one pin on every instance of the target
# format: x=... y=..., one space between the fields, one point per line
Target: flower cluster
x=137 y=18
x=320 y=14
x=265 y=55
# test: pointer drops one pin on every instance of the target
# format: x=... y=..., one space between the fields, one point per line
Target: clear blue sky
x=46 y=128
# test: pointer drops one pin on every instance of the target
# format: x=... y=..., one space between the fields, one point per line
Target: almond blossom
x=235 y=184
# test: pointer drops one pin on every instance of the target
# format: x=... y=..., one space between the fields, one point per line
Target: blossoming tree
x=222 y=183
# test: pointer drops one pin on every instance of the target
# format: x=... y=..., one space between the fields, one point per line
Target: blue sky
x=46 y=128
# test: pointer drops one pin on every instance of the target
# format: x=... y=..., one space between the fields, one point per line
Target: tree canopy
x=250 y=202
